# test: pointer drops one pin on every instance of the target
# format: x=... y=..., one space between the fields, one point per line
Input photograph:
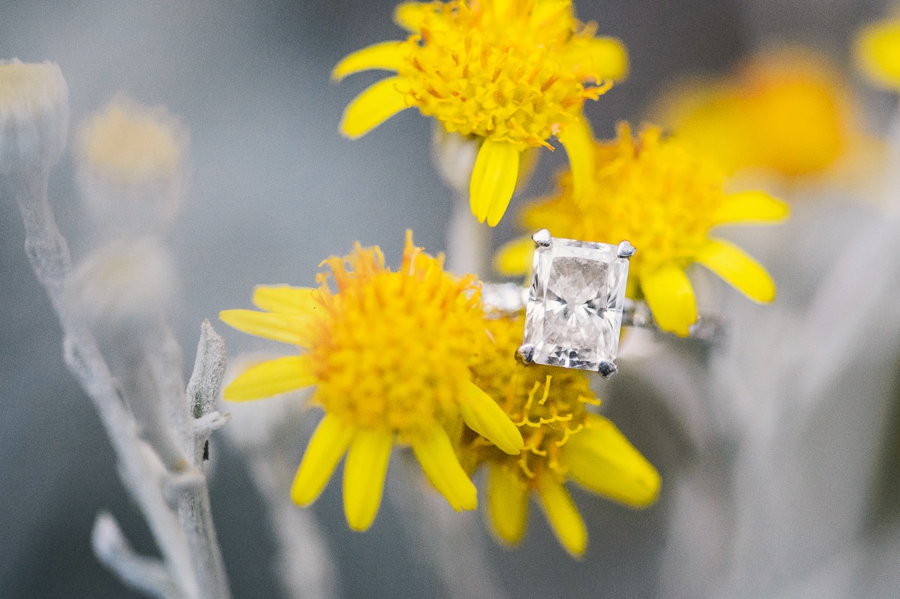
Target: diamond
x=574 y=311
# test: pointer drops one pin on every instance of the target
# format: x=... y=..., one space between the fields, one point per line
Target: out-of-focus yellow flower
x=664 y=198
x=563 y=442
x=513 y=73
x=785 y=111
x=132 y=144
x=390 y=356
x=877 y=51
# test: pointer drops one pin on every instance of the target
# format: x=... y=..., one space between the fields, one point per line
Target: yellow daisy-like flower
x=877 y=51
x=389 y=354
x=563 y=442
x=664 y=199
x=511 y=72
x=785 y=110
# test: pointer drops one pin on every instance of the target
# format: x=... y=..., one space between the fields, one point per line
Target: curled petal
x=602 y=460
x=578 y=141
x=507 y=504
x=271 y=378
x=325 y=449
x=609 y=59
x=670 y=297
x=751 y=207
x=485 y=417
x=364 y=472
x=515 y=258
x=435 y=454
x=493 y=180
x=738 y=269
x=563 y=515
x=374 y=106
x=284 y=298
x=387 y=56
x=287 y=328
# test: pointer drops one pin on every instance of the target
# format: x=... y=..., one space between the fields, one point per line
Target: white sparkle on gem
x=574 y=311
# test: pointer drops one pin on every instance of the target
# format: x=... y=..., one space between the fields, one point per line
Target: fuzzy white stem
x=303 y=565
x=188 y=546
x=193 y=506
x=468 y=242
x=453 y=544
x=892 y=172
x=143 y=573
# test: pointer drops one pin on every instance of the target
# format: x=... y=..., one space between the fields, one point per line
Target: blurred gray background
x=273 y=190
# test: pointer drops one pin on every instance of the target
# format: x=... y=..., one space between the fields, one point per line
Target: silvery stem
x=303 y=558
x=141 y=470
x=198 y=419
x=453 y=543
x=468 y=242
x=892 y=172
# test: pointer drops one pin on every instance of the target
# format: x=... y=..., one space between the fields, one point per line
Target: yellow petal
x=485 y=417
x=287 y=328
x=364 y=472
x=507 y=504
x=515 y=258
x=670 y=297
x=410 y=15
x=738 y=269
x=386 y=55
x=578 y=141
x=435 y=454
x=374 y=106
x=563 y=515
x=493 y=180
x=271 y=378
x=878 y=52
x=325 y=449
x=284 y=298
x=609 y=59
x=550 y=10
x=602 y=460
x=751 y=207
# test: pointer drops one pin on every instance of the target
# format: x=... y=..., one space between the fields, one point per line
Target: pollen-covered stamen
x=546 y=425
x=465 y=62
x=393 y=351
x=653 y=191
x=546 y=404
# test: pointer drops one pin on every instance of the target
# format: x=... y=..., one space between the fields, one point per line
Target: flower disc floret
x=785 y=111
x=393 y=348
x=389 y=354
x=512 y=74
x=663 y=198
x=562 y=442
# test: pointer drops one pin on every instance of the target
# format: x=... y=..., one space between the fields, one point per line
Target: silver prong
x=607 y=369
x=625 y=249
x=542 y=238
x=525 y=353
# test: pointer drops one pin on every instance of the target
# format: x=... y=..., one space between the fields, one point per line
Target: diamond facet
x=574 y=312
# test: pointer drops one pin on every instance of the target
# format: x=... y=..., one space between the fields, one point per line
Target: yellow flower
x=511 y=72
x=132 y=144
x=785 y=110
x=389 y=354
x=563 y=442
x=878 y=52
x=664 y=199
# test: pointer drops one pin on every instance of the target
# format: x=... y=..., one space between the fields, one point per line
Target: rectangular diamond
x=574 y=311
